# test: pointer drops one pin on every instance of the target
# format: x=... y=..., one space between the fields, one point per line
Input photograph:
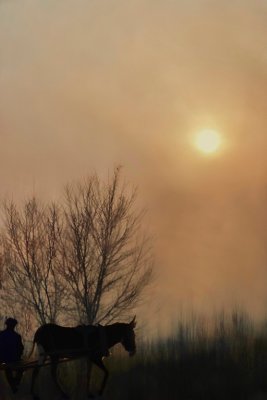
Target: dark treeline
x=225 y=359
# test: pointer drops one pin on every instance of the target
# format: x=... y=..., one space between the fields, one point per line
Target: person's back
x=11 y=347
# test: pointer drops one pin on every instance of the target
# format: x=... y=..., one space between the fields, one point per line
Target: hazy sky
x=88 y=84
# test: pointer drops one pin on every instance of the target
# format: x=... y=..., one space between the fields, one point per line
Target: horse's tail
x=32 y=349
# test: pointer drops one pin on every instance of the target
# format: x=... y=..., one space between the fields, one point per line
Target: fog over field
x=86 y=85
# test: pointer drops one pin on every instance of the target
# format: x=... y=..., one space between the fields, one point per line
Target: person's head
x=11 y=323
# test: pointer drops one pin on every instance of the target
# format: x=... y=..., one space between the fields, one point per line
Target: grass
x=222 y=359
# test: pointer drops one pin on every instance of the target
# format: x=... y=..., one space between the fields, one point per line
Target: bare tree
x=88 y=258
x=106 y=260
x=8 y=306
x=30 y=256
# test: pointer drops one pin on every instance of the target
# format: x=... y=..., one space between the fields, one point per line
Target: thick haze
x=86 y=85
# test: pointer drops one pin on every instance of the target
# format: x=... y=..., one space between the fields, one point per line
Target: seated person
x=11 y=349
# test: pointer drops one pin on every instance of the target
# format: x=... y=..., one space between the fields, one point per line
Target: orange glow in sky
x=176 y=92
x=208 y=141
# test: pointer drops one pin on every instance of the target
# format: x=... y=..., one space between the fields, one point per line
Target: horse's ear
x=133 y=322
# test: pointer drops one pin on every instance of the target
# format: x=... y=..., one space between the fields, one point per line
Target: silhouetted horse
x=94 y=342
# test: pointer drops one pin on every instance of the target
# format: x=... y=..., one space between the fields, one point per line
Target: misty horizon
x=85 y=86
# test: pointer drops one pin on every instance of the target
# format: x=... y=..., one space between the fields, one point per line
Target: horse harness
x=89 y=330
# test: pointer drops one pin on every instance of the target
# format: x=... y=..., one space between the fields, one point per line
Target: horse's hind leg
x=54 y=366
x=34 y=376
x=36 y=370
x=89 y=370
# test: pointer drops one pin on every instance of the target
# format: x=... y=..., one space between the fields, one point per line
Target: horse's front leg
x=101 y=365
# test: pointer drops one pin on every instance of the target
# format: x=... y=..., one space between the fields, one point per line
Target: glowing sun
x=208 y=141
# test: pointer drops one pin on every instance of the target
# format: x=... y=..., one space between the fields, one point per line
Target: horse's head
x=128 y=339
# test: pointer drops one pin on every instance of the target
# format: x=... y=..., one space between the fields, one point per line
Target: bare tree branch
x=30 y=255
x=106 y=263
x=87 y=259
